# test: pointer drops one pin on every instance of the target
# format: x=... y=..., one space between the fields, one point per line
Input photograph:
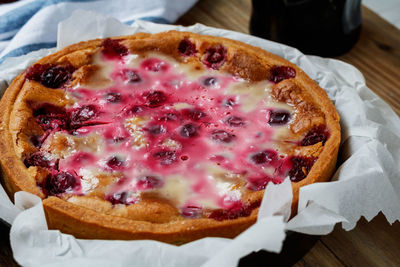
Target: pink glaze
x=211 y=109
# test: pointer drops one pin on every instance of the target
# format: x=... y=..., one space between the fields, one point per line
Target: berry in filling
x=38 y=159
x=155 y=99
x=280 y=73
x=156 y=129
x=50 y=76
x=122 y=198
x=264 y=157
x=81 y=115
x=210 y=81
x=50 y=117
x=165 y=157
x=113 y=97
x=59 y=183
x=131 y=76
x=114 y=163
x=189 y=130
x=35 y=71
x=169 y=117
x=195 y=114
x=238 y=210
x=56 y=76
x=301 y=167
x=315 y=135
x=187 y=48
x=148 y=182
x=112 y=49
x=215 y=57
x=234 y=121
x=278 y=117
x=229 y=102
x=133 y=110
x=222 y=136
x=37 y=141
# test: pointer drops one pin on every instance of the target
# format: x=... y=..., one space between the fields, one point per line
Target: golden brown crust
x=85 y=223
x=243 y=60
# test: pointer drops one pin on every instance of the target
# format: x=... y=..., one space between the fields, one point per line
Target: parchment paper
x=367 y=181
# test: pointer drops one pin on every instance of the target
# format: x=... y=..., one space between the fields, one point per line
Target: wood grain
x=319 y=255
x=377 y=56
x=370 y=244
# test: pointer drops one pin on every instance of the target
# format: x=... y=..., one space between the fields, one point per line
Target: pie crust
x=310 y=135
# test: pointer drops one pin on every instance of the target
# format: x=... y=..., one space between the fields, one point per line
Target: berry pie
x=171 y=136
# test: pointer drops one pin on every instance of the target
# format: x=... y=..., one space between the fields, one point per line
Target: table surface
x=377 y=56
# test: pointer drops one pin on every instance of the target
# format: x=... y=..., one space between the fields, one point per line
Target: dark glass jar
x=318 y=27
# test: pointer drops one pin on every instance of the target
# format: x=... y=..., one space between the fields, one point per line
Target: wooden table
x=377 y=56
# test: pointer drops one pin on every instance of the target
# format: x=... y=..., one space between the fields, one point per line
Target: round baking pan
x=294 y=248
x=6 y=256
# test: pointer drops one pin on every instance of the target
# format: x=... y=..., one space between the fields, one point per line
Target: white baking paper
x=366 y=182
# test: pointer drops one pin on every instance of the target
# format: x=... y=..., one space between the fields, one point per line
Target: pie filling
x=147 y=125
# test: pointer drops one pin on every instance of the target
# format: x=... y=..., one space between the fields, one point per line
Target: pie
x=171 y=136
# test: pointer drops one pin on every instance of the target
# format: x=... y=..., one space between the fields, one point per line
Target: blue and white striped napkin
x=30 y=25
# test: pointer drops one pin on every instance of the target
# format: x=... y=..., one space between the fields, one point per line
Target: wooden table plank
x=377 y=56
x=319 y=255
x=370 y=244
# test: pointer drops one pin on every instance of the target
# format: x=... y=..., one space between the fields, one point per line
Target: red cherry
x=280 y=73
x=59 y=183
x=148 y=182
x=215 y=57
x=222 y=136
x=155 y=98
x=112 y=48
x=187 y=48
x=189 y=130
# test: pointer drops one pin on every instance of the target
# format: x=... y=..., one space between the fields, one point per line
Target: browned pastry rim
x=243 y=60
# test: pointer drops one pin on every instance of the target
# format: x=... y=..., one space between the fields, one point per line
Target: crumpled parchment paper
x=366 y=182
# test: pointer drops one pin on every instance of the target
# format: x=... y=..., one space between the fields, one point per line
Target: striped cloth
x=30 y=25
